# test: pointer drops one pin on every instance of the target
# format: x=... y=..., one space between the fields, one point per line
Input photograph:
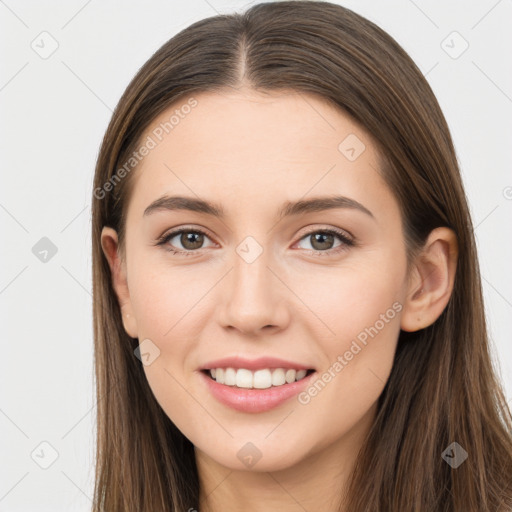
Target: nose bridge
x=254 y=298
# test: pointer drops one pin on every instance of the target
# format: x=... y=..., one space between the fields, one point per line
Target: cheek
x=162 y=298
x=359 y=356
x=352 y=300
x=165 y=303
x=360 y=310
x=358 y=362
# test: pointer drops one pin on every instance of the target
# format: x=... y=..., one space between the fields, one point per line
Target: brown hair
x=442 y=387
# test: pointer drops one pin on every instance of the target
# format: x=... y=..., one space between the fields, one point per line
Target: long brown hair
x=442 y=388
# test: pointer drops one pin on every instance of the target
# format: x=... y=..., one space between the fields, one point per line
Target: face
x=276 y=283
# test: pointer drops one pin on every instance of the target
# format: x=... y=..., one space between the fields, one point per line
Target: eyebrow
x=316 y=204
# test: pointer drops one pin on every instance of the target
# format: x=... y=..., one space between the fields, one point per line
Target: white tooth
x=300 y=374
x=244 y=378
x=219 y=375
x=230 y=377
x=278 y=377
x=290 y=376
x=262 y=379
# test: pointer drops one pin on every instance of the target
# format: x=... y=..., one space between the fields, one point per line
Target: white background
x=53 y=115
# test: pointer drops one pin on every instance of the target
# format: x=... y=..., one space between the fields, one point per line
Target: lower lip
x=254 y=400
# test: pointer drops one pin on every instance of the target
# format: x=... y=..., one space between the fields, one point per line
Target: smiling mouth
x=259 y=379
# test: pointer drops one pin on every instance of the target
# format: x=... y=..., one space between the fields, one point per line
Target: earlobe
x=432 y=281
x=110 y=246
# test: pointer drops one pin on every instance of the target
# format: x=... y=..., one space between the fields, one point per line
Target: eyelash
x=346 y=241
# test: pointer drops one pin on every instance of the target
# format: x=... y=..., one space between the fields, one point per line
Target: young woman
x=287 y=303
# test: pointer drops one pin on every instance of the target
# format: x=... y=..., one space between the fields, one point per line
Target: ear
x=110 y=246
x=431 y=280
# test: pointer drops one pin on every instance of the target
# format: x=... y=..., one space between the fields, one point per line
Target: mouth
x=260 y=379
x=254 y=385
x=256 y=391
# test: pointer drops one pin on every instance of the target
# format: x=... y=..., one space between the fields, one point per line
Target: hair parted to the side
x=442 y=387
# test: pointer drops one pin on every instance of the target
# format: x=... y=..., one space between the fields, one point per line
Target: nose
x=253 y=298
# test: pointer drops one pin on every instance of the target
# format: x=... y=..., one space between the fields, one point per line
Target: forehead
x=246 y=147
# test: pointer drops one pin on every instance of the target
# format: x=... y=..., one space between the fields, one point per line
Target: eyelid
x=171 y=233
x=330 y=229
x=346 y=238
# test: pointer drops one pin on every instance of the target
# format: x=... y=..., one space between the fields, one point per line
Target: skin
x=250 y=152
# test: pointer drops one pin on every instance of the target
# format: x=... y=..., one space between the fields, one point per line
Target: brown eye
x=191 y=240
x=322 y=241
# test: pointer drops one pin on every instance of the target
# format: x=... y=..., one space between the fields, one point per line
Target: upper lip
x=253 y=364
